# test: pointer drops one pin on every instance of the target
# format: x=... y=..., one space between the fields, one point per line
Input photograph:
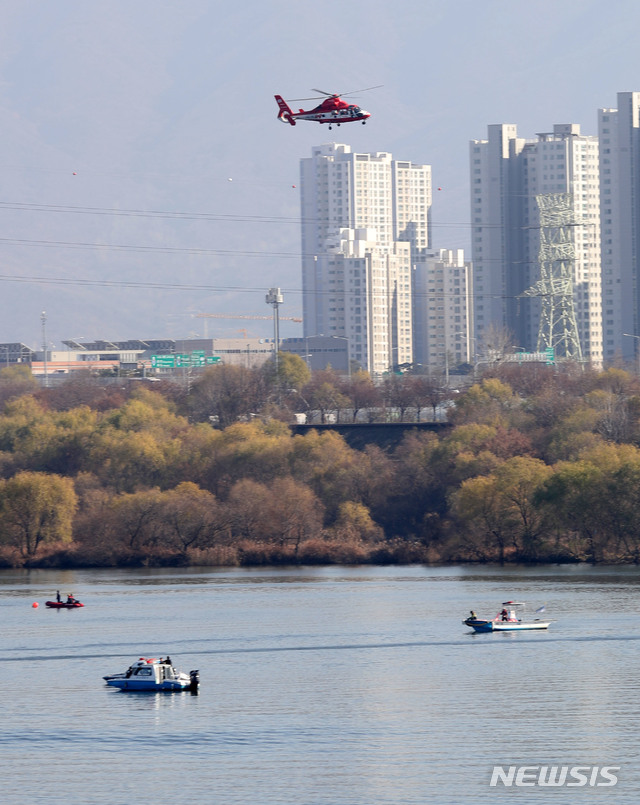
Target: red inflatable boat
x=63 y=604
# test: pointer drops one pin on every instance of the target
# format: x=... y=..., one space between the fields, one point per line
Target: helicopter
x=332 y=109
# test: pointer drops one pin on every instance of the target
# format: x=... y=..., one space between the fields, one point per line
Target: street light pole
x=275 y=298
x=637 y=349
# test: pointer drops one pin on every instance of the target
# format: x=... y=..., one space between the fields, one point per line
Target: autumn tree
x=59 y=441
x=127 y=460
x=482 y=530
x=83 y=389
x=415 y=496
x=224 y=394
x=571 y=496
x=16 y=381
x=248 y=501
x=354 y=522
x=494 y=343
x=597 y=497
x=615 y=421
x=136 y=519
x=36 y=508
x=362 y=394
x=290 y=372
x=193 y=516
x=501 y=507
x=427 y=391
x=326 y=463
x=20 y=416
x=572 y=433
x=284 y=512
x=467 y=451
x=398 y=395
x=324 y=394
x=256 y=450
x=293 y=513
x=138 y=444
x=489 y=401
x=147 y=411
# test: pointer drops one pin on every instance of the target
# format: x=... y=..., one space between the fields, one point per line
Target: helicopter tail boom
x=285 y=114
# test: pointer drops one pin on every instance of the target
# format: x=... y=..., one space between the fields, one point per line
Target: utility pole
x=43 y=319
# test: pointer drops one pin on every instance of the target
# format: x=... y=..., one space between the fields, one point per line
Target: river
x=320 y=686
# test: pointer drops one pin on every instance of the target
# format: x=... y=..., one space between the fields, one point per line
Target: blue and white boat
x=508 y=620
x=154 y=675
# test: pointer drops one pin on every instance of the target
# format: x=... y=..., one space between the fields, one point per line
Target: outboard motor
x=195 y=681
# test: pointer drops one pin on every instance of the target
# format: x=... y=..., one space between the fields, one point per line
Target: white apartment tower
x=443 y=309
x=619 y=134
x=365 y=219
x=507 y=174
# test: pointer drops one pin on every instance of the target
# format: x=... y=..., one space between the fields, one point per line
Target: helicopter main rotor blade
x=294 y=100
x=343 y=94
x=366 y=89
x=329 y=94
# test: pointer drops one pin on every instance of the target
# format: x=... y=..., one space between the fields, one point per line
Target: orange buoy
x=35 y=605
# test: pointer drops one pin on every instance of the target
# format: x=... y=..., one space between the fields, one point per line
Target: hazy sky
x=122 y=124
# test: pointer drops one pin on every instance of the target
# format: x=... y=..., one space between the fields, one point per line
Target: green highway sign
x=163 y=361
x=183 y=360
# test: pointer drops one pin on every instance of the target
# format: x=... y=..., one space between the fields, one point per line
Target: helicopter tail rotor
x=284 y=112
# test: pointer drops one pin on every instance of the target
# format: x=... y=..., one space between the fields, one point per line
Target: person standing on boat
x=505 y=615
x=58 y=599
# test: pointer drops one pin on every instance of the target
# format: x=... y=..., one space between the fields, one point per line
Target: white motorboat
x=507 y=620
x=151 y=674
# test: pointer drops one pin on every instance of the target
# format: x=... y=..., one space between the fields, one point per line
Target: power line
x=195 y=216
x=191 y=250
x=127 y=284
x=119 y=247
x=132 y=213
x=173 y=286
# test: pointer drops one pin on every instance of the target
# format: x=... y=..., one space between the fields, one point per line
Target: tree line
x=541 y=464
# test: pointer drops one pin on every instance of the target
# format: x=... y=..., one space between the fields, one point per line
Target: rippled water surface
x=318 y=686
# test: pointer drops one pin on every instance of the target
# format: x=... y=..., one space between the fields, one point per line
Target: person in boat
x=71 y=599
x=58 y=599
x=505 y=615
x=168 y=660
x=472 y=616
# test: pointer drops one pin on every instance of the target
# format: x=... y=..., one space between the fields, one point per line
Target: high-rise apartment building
x=365 y=221
x=508 y=174
x=619 y=134
x=443 y=310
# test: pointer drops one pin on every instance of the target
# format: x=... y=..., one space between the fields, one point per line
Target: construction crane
x=243 y=316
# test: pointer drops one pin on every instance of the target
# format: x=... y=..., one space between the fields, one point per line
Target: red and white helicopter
x=332 y=109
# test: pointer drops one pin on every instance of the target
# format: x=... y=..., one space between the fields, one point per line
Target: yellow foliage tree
x=35 y=508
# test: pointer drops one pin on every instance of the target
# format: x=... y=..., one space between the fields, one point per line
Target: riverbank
x=251 y=553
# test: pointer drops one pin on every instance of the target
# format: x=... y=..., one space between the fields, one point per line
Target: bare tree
x=494 y=343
